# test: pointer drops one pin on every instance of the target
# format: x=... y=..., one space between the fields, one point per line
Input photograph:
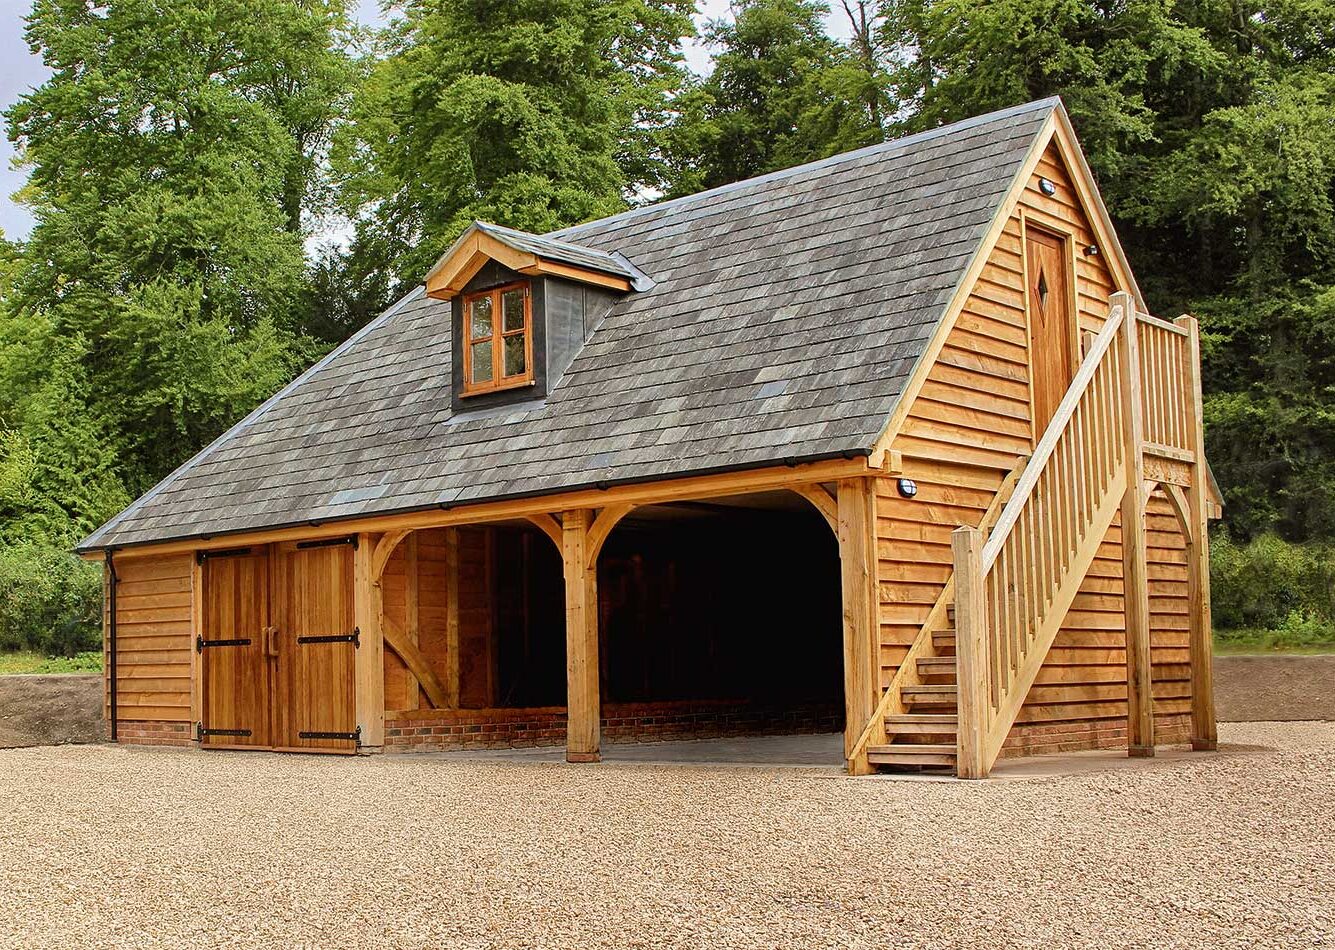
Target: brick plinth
x=436 y=729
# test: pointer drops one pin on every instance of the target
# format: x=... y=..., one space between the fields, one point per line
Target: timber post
x=1135 y=570
x=966 y=545
x=582 y=688
x=857 y=567
x=1204 y=729
x=369 y=657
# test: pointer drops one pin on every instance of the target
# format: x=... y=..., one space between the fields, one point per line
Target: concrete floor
x=825 y=752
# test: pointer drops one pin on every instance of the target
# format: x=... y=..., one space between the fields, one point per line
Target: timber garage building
x=884 y=444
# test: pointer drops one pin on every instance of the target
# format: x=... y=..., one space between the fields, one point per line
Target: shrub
x=50 y=601
x=1272 y=585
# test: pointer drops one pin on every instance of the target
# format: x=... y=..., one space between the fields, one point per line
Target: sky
x=20 y=71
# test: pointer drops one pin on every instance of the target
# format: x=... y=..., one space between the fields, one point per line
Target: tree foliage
x=183 y=151
x=781 y=92
x=1211 y=128
x=528 y=113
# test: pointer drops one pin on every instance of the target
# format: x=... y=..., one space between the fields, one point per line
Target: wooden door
x=315 y=707
x=1051 y=323
x=234 y=669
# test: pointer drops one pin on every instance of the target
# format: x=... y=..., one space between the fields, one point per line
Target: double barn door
x=278 y=649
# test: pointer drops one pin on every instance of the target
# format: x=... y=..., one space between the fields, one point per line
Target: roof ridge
x=1050 y=102
x=250 y=418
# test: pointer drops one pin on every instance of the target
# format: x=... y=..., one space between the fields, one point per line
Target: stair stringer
x=1004 y=717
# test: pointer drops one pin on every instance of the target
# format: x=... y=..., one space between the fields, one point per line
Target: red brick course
x=152 y=732
x=438 y=729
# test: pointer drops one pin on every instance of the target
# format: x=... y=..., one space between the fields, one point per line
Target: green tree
x=1211 y=128
x=529 y=113
x=171 y=155
x=781 y=92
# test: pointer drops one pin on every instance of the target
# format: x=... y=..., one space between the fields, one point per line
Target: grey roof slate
x=785 y=316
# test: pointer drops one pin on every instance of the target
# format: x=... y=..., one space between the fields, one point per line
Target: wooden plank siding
x=154 y=640
x=967 y=428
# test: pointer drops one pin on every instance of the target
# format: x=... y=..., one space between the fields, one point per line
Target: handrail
x=1165 y=407
x=1014 y=589
x=924 y=636
x=1039 y=460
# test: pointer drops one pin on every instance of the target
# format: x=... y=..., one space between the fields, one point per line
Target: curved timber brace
x=396 y=637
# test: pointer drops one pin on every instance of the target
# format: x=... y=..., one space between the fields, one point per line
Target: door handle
x=271 y=641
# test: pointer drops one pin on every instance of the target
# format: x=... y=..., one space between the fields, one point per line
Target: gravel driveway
x=126 y=847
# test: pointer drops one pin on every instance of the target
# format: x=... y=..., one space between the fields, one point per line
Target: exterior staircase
x=924 y=735
x=959 y=689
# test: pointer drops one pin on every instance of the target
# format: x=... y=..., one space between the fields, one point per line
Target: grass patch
x=1295 y=638
x=28 y=661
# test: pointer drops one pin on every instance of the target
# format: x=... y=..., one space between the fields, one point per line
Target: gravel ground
x=127 y=847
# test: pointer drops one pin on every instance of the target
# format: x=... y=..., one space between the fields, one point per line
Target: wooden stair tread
x=933 y=719
x=929 y=688
x=915 y=748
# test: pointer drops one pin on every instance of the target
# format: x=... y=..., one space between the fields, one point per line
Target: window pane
x=482 y=362
x=481 y=323
x=514 y=355
x=512 y=310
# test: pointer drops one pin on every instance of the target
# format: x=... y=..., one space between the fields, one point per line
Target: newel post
x=966 y=545
x=1135 y=571
x=1204 y=731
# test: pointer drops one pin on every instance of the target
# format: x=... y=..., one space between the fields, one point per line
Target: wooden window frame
x=499 y=381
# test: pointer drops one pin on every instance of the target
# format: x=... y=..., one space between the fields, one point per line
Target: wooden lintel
x=548 y=526
x=384 y=549
x=602 y=527
x=823 y=502
x=639 y=494
x=397 y=639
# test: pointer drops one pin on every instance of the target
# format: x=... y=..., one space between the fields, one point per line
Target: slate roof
x=786 y=315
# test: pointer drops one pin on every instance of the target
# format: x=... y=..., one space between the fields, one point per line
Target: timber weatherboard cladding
x=968 y=426
x=154 y=639
x=786 y=316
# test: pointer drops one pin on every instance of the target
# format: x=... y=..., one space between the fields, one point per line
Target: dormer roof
x=530 y=254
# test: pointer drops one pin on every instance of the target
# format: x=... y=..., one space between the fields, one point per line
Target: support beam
x=857 y=563
x=412 y=607
x=972 y=710
x=582 y=699
x=452 y=666
x=823 y=501
x=1204 y=730
x=384 y=549
x=1135 y=572
x=601 y=527
x=397 y=639
x=548 y=526
x=369 y=656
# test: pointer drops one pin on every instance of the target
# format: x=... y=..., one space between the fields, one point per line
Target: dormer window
x=498 y=352
x=521 y=307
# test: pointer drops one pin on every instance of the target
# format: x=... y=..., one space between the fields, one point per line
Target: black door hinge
x=202 y=556
x=202 y=732
x=354 y=736
x=327 y=543
x=201 y=643
x=355 y=638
